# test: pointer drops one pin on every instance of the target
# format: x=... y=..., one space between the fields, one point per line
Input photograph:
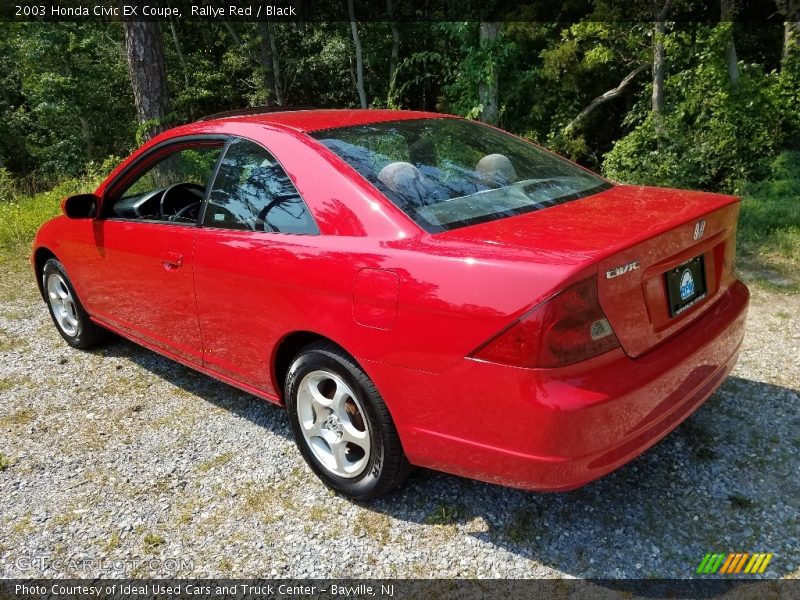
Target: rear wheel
x=341 y=424
x=72 y=321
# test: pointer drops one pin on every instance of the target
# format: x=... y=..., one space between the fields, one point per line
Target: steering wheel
x=164 y=209
x=187 y=213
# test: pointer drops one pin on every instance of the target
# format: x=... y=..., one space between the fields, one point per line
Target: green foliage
x=6 y=186
x=22 y=216
x=475 y=64
x=770 y=217
x=712 y=135
x=415 y=72
x=147 y=129
x=66 y=101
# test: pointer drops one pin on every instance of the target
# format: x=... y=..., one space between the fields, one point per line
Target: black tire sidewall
x=370 y=481
x=79 y=340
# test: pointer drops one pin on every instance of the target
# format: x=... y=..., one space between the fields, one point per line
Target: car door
x=256 y=232
x=143 y=281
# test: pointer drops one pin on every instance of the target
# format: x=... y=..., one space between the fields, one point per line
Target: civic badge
x=687 y=285
x=699 y=229
x=617 y=271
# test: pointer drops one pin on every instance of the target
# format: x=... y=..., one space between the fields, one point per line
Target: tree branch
x=603 y=98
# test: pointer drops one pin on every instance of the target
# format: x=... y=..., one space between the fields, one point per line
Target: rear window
x=449 y=173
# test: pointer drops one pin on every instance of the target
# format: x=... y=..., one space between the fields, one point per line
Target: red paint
x=412 y=307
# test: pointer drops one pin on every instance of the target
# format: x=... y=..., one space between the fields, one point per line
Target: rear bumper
x=558 y=429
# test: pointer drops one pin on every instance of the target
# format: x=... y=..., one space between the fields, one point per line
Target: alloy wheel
x=334 y=423
x=63 y=304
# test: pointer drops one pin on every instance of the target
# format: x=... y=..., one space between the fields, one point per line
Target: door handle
x=171 y=260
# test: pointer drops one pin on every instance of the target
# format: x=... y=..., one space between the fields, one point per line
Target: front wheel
x=72 y=321
x=341 y=424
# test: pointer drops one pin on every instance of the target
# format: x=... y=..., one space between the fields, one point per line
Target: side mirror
x=82 y=206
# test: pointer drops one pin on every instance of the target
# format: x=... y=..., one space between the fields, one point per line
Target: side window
x=254 y=193
x=172 y=189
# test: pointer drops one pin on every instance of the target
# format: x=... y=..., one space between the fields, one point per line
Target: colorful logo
x=735 y=562
x=687 y=285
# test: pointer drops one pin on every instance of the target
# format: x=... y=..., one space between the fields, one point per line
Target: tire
x=345 y=432
x=70 y=318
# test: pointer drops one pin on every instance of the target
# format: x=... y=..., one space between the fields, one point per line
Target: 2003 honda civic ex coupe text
x=415 y=288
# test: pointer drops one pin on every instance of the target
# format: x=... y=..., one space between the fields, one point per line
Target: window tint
x=253 y=192
x=144 y=198
x=448 y=173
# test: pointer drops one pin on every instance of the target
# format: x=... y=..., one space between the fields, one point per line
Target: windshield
x=448 y=173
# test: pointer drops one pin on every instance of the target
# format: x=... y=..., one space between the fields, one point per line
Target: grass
x=769 y=223
x=22 y=216
x=700 y=440
x=266 y=501
x=524 y=525
x=376 y=526
x=5 y=462
x=442 y=515
x=20 y=417
x=739 y=501
x=23 y=525
x=152 y=541
x=215 y=462
x=113 y=542
x=9 y=341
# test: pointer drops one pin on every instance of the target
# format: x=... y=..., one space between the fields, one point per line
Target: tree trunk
x=145 y=54
x=306 y=85
x=179 y=52
x=487 y=88
x=265 y=47
x=791 y=41
x=86 y=130
x=603 y=98
x=362 y=96
x=237 y=40
x=657 y=101
x=276 y=65
x=790 y=11
x=395 y=42
x=727 y=13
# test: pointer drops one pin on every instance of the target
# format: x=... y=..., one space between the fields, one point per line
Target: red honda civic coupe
x=415 y=288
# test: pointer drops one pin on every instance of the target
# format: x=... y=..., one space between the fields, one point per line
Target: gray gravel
x=124 y=458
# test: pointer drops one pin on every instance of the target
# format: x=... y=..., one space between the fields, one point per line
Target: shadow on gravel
x=241 y=403
x=726 y=480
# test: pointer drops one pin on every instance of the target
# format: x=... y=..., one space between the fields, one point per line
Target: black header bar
x=402 y=10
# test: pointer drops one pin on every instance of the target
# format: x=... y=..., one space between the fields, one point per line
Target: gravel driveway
x=121 y=456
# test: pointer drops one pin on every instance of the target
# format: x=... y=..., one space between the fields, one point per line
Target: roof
x=318 y=119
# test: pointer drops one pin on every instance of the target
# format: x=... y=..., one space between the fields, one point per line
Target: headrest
x=496 y=169
x=405 y=180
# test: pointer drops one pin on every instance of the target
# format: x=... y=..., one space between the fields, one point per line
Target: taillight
x=567 y=328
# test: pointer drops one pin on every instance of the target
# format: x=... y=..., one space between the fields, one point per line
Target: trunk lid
x=635 y=235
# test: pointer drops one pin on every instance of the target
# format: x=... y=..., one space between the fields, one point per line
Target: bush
x=6 y=186
x=714 y=143
x=710 y=136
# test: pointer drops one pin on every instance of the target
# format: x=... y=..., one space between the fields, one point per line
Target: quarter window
x=252 y=192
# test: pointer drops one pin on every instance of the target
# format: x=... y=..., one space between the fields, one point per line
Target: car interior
x=171 y=190
x=179 y=202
